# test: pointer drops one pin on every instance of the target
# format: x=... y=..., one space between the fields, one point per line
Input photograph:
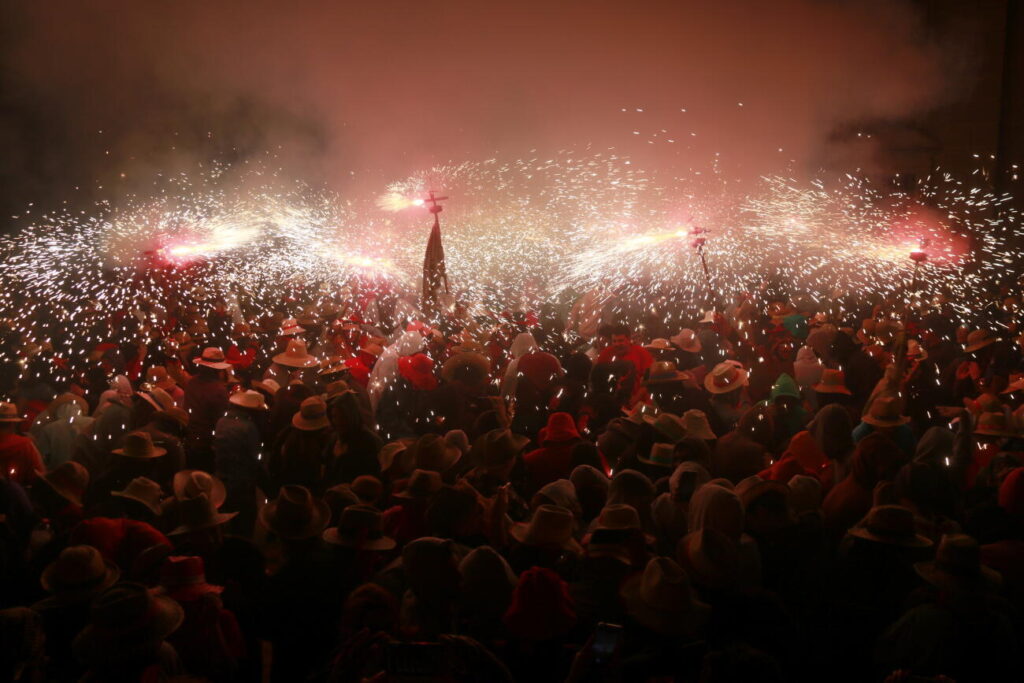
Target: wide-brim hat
x=892 y=525
x=886 y=411
x=10 y=413
x=212 y=357
x=668 y=425
x=359 y=527
x=143 y=490
x=160 y=379
x=124 y=637
x=979 y=339
x=550 y=526
x=994 y=424
x=661 y=455
x=312 y=415
x=661 y=599
x=465 y=359
x=268 y=386
x=957 y=567
x=665 y=372
x=725 y=377
x=190 y=483
x=688 y=341
x=695 y=422
x=184 y=578
x=832 y=382
x=198 y=513
x=291 y=327
x=252 y=400
x=295 y=514
x=497 y=447
x=78 y=573
x=296 y=356
x=432 y=452
x=422 y=484
x=68 y=480
x=139 y=445
x=619 y=517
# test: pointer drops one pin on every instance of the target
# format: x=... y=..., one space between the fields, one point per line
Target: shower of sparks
x=517 y=234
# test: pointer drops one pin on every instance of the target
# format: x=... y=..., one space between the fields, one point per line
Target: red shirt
x=19 y=458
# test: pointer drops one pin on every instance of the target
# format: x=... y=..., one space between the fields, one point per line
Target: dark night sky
x=357 y=93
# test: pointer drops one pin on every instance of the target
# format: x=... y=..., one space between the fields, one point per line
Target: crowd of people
x=775 y=490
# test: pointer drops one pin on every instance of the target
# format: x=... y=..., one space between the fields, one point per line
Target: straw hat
x=664 y=372
x=158 y=377
x=497 y=447
x=915 y=350
x=296 y=356
x=639 y=412
x=620 y=517
x=886 y=411
x=668 y=425
x=295 y=514
x=392 y=452
x=252 y=400
x=359 y=527
x=212 y=357
x=662 y=600
x=892 y=525
x=687 y=340
x=68 y=480
x=432 y=452
x=268 y=386
x=422 y=484
x=183 y=578
x=290 y=327
x=191 y=483
x=312 y=415
x=710 y=557
x=198 y=513
x=659 y=344
x=79 y=572
x=957 y=566
x=660 y=456
x=696 y=425
x=979 y=339
x=832 y=382
x=550 y=526
x=10 y=413
x=725 y=377
x=994 y=424
x=143 y=490
x=709 y=317
x=139 y=445
x=1016 y=383
x=127 y=619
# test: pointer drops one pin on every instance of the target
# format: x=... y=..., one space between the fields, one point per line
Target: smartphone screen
x=606 y=641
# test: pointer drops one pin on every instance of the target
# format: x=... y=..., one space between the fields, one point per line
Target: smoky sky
x=353 y=95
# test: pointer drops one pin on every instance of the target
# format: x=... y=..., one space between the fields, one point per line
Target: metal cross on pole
x=435 y=275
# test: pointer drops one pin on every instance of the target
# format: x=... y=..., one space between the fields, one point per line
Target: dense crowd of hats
x=771 y=494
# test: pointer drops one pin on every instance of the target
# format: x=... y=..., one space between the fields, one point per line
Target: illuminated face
x=620 y=341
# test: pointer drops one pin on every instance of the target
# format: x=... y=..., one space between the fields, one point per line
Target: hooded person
x=355 y=448
x=56 y=438
x=788 y=413
x=807 y=368
x=530 y=383
x=485 y=592
x=523 y=344
x=876 y=459
x=591 y=487
x=801 y=457
x=238 y=450
x=743 y=452
x=715 y=507
x=553 y=460
x=669 y=510
x=206 y=401
x=406 y=407
x=19 y=459
x=885 y=415
x=539 y=618
x=297 y=454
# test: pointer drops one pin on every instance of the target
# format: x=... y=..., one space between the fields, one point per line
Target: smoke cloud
x=105 y=93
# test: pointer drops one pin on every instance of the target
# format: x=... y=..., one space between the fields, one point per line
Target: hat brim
x=382 y=543
x=217 y=495
x=232 y=401
x=217 y=520
x=704 y=433
x=61 y=491
x=672 y=623
x=654 y=462
x=521 y=532
x=877 y=422
x=315 y=527
x=12 y=419
x=916 y=541
x=155 y=453
x=313 y=425
x=994 y=432
x=155 y=509
x=70 y=593
x=986 y=580
x=191 y=591
x=980 y=345
x=290 y=362
x=212 y=364
x=741 y=382
x=831 y=389
x=679 y=376
x=164 y=619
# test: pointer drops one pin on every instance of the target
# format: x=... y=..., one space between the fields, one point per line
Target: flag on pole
x=435 y=277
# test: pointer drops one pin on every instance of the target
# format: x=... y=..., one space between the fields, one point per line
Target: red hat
x=184 y=578
x=541 y=607
x=418 y=369
x=561 y=427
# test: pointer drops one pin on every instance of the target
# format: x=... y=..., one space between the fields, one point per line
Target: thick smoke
x=107 y=92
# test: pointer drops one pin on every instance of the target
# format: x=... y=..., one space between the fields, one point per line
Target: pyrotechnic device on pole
x=918 y=256
x=435 y=275
x=699 y=236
